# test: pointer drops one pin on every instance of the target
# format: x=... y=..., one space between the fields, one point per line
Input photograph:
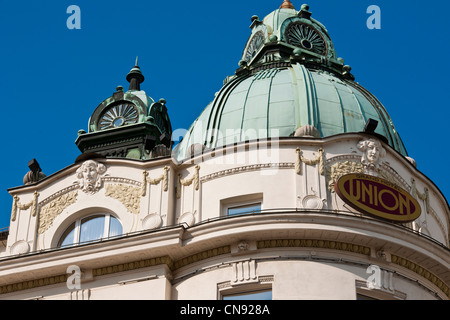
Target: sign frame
x=378 y=197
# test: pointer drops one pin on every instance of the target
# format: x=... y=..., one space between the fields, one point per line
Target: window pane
x=249 y=209
x=115 y=228
x=262 y=295
x=68 y=236
x=92 y=228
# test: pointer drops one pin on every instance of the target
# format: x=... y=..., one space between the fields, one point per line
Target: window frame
x=77 y=229
x=243 y=206
x=246 y=293
x=240 y=201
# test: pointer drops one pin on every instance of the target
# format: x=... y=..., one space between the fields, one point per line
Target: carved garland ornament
x=310 y=162
x=163 y=178
x=422 y=196
x=20 y=206
x=188 y=181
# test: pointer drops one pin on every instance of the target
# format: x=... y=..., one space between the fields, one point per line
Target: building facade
x=292 y=184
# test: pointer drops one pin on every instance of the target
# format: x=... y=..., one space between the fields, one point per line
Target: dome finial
x=135 y=77
x=304 y=12
x=287 y=5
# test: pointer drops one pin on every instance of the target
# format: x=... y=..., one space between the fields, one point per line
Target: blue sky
x=54 y=77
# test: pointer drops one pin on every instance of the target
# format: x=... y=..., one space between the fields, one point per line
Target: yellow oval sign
x=378 y=197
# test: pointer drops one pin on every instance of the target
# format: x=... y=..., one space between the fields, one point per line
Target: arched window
x=91 y=228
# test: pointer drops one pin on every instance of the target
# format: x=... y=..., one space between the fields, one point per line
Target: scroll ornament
x=163 y=178
x=50 y=211
x=129 y=196
x=188 y=181
x=17 y=205
x=310 y=162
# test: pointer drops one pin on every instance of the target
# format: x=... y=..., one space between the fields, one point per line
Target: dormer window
x=91 y=228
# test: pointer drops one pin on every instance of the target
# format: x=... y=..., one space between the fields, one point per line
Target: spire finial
x=135 y=77
x=287 y=5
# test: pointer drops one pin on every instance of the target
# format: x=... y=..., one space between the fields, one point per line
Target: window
x=90 y=229
x=256 y=295
x=245 y=209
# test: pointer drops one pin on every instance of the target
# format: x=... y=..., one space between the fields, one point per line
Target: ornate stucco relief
x=19 y=206
x=20 y=247
x=373 y=152
x=422 y=196
x=188 y=181
x=345 y=164
x=339 y=169
x=89 y=176
x=244 y=272
x=129 y=196
x=422 y=223
x=320 y=160
x=252 y=167
x=312 y=202
x=152 y=221
x=49 y=212
x=163 y=178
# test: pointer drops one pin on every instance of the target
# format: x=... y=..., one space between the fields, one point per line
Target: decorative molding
x=386 y=288
x=19 y=206
x=312 y=202
x=389 y=174
x=201 y=256
x=129 y=196
x=405 y=263
x=309 y=243
x=80 y=294
x=306 y=243
x=261 y=280
x=188 y=181
x=31 y=284
x=310 y=162
x=163 y=178
x=20 y=247
x=133 y=266
x=187 y=218
x=58 y=194
x=122 y=180
x=49 y=212
x=244 y=272
x=243 y=169
x=152 y=221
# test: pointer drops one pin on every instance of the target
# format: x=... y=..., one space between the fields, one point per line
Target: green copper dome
x=290 y=83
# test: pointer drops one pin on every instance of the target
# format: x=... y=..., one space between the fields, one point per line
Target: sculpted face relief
x=89 y=176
